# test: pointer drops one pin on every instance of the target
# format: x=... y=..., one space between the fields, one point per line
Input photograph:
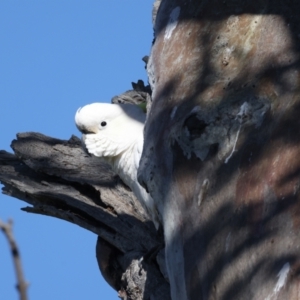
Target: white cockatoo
x=115 y=133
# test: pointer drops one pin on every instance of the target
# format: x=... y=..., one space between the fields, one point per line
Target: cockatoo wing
x=103 y=146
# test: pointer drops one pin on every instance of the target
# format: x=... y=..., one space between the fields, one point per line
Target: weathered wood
x=59 y=179
x=221 y=155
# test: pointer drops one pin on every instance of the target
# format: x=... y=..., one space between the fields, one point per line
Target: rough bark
x=57 y=178
x=221 y=154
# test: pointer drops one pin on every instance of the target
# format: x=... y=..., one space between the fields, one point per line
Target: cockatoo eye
x=103 y=124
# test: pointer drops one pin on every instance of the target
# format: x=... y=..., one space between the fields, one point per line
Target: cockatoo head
x=109 y=129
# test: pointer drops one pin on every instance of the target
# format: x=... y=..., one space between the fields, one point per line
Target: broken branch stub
x=57 y=178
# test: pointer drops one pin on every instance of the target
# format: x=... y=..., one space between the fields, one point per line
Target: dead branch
x=57 y=178
x=21 y=282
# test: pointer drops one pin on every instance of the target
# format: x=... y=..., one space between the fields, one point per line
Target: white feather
x=119 y=140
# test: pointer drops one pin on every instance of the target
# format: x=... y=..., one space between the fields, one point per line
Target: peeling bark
x=221 y=155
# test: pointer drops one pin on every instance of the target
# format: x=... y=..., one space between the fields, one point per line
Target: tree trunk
x=221 y=155
x=221 y=159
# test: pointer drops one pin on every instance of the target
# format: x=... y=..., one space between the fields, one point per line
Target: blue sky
x=56 y=56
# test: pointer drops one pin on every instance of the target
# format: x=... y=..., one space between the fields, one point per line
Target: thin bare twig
x=21 y=283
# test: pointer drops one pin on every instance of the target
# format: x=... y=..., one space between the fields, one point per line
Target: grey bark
x=221 y=154
x=57 y=178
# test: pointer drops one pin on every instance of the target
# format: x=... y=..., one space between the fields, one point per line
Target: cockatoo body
x=115 y=133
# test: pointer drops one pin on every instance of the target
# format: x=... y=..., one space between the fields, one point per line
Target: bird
x=115 y=132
